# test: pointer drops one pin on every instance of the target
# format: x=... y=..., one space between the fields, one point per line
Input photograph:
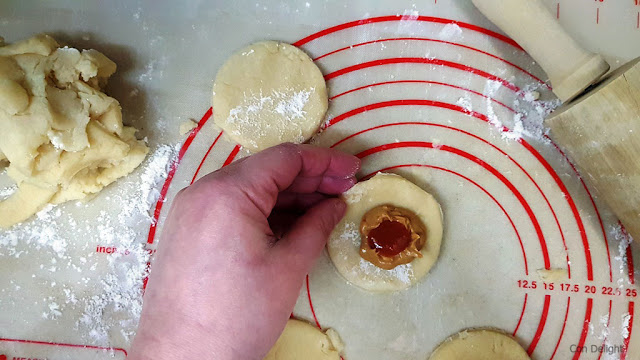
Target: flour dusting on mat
x=451 y=32
x=154 y=172
x=530 y=111
x=106 y=254
x=624 y=241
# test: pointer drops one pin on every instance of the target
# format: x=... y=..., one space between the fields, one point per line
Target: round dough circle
x=301 y=340
x=344 y=243
x=269 y=93
x=480 y=344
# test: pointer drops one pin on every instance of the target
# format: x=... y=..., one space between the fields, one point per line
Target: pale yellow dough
x=553 y=275
x=480 y=344
x=301 y=340
x=344 y=243
x=62 y=137
x=269 y=93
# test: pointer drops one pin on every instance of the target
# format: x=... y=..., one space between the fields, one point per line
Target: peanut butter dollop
x=391 y=236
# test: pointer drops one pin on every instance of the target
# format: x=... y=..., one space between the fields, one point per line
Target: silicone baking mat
x=430 y=91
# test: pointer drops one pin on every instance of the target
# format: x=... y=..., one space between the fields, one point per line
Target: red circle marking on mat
x=165 y=187
x=438 y=41
x=524 y=306
x=585 y=328
x=593 y=203
x=564 y=324
x=496 y=148
x=606 y=334
x=313 y=311
x=543 y=321
x=424 y=82
x=36 y=342
x=171 y=174
x=545 y=310
x=523 y=142
x=629 y=253
x=486 y=166
x=235 y=151
x=524 y=255
x=431 y=61
x=625 y=346
x=231 y=156
x=432 y=19
x=543 y=161
x=195 y=175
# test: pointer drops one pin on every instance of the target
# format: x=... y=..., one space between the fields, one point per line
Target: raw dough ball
x=301 y=340
x=480 y=345
x=344 y=243
x=62 y=137
x=269 y=93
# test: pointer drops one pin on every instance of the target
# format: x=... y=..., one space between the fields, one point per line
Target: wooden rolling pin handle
x=570 y=67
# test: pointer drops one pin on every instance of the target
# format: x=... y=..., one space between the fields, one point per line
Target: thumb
x=304 y=242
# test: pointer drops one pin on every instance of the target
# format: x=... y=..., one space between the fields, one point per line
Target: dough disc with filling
x=344 y=243
x=269 y=93
x=301 y=340
x=480 y=344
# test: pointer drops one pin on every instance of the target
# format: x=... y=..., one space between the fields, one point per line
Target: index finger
x=309 y=168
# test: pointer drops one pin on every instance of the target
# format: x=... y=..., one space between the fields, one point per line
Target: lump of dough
x=301 y=340
x=344 y=243
x=480 y=344
x=267 y=94
x=62 y=137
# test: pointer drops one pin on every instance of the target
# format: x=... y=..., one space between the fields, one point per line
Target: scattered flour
x=408 y=25
x=155 y=68
x=603 y=324
x=154 y=171
x=54 y=311
x=111 y=309
x=529 y=116
x=451 y=32
x=465 y=103
x=626 y=323
x=44 y=232
x=624 y=241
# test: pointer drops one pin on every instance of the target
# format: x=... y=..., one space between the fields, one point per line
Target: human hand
x=235 y=250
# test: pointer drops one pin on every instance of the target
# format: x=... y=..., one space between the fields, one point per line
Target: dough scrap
x=267 y=94
x=344 y=243
x=301 y=340
x=62 y=137
x=553 y=275
x=480 y=344
x=187 y=126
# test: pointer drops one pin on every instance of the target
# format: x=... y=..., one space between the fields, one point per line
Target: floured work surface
x=428 y=102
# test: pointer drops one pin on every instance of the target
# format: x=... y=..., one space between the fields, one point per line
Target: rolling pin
x=598 y=124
